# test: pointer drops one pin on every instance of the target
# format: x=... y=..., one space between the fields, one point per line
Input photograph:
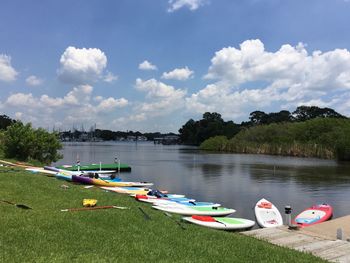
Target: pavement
x=329 y=228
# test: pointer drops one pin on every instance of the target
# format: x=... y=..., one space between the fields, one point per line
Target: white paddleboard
x=222 y=223
x=200 y=210
x=267 y=215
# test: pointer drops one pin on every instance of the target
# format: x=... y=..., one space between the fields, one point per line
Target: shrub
x=24 y=143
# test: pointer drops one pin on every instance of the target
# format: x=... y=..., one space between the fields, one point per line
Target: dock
x=319 y=240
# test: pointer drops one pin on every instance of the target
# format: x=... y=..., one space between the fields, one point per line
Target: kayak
x=190 y=203
x=223 y=223
x=314 y=215
x=64 y=177
x=99 y=182
x=201 y=210
x=267 y=215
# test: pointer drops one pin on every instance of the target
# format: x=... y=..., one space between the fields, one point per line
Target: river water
x=234 y=180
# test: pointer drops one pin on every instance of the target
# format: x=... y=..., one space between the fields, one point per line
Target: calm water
x=233 y=180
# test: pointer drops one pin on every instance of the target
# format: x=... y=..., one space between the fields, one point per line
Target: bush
x=217 y=143
x=24 y=143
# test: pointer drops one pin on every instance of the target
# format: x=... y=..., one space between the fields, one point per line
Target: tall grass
x=45 y=234
x=327 y=138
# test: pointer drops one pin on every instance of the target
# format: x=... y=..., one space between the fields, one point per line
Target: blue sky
x=151 y=65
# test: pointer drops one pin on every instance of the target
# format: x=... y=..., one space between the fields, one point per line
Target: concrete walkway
x=319 y=240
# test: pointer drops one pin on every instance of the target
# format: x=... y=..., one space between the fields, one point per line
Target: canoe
x=202 y=210
x=222 y=223
x=267 y=215
x=113 y=166
x=314 y=215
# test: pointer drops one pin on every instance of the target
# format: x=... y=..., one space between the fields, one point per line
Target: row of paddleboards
x=201 y=213
x=211 y=214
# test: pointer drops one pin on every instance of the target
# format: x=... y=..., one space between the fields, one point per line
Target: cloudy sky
x=151 y=65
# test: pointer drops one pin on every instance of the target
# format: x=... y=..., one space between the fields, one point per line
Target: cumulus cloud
x=82 y=65
x=178 y=74
x=157 y=89
x=34 y=81
x=162 y=99
x=175 y=5
x=76 y=106
x=146 y=65
x=7 y=72
x=250 y=77
x=111 y=103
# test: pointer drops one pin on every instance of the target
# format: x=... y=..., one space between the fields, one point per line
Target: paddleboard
x=314 y=215
x=200 y=210
x=174 y=202
x=222 y=223
x=127 y=190
x=155 y=193
x=267 y=215
x=153 y=199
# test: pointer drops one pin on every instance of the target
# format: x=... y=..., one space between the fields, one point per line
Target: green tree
x=22 y=142
x=5 y=121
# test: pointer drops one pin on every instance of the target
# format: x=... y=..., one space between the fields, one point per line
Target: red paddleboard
x=314 y=215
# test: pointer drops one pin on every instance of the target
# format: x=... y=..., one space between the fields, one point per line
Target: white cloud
x=34 y=81
x=191 y=4
x=146 y=65
x=161 y=100
x=111 y=103
x=157 y=89
x=110 y=77
x=7 y=72
x=21 y=99
x=76 y=107
x=251 y=78
x=82 y=66
x=178 y=74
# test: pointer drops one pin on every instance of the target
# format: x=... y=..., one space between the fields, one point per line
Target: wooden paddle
x=17 y=205
x=93 y=208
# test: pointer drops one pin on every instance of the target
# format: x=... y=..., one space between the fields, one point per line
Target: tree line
x=212 y=124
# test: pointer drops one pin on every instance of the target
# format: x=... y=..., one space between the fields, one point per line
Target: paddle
x=146 y=216
x=177 y=222
x=17 y=205
x=93 y=208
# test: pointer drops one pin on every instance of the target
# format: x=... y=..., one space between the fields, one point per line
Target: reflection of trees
x=315 y=176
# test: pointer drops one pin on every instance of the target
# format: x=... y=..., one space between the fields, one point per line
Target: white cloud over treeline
x=7 y=72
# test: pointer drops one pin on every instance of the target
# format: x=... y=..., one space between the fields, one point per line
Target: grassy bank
x=327 y=138
x=45 y=234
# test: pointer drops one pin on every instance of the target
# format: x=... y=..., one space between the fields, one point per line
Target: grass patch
x=45 y=234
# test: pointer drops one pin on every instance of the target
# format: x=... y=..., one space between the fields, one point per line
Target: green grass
x=45 y=234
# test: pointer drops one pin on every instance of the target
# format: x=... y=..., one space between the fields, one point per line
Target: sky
x=151 y=65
